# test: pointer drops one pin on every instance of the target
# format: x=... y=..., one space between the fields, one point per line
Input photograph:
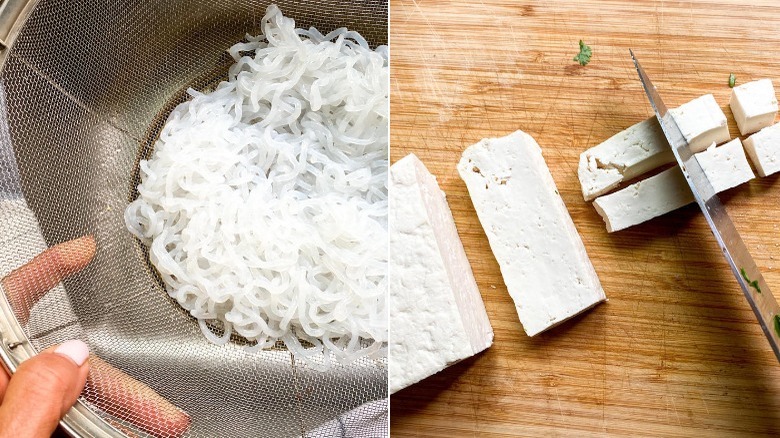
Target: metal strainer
x=84 y=88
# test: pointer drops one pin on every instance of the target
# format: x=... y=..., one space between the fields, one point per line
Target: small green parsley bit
x=585 y=53
x=777 y=324
x=732 y=80
x=753 y=284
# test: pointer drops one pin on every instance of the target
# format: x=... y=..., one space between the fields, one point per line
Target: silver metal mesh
x=85 y=88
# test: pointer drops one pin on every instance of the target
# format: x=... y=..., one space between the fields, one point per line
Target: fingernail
x=74 y=350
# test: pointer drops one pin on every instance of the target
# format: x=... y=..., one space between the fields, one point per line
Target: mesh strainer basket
x=84 y=88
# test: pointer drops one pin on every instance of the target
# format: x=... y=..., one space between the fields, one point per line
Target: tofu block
x=754 y=105
x=702 y=122
x=437 y=316
x=764 y=149
x=542 y=259
x=725 y=166
x=626 y=155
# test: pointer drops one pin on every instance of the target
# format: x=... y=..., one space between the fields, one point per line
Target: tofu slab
x=542 y=259
x=437 y=316
x=725 y=166
x=625 y=155
x=754 y=105
x=764 y=149
x=702 y=122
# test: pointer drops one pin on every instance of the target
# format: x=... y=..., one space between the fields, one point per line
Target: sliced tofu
x=754 y=105
x=764 y=149
x=702 y=122
x=625 y=155
x=643 y=147
x=542 y=259
x=437 y=316
x=725 y=166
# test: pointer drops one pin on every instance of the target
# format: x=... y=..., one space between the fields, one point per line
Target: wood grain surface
x=676 y=351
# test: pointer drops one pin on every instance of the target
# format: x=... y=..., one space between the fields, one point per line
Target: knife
x=742 y=265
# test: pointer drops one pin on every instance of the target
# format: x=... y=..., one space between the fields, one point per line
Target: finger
x=29 y=283
x=126 y=398
x=122 y=428
x=4 y=378
x=42 y=390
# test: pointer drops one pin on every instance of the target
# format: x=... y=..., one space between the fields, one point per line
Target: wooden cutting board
x=676 y=351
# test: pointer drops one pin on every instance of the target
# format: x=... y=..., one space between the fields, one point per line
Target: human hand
x=44 y=387
x=30 y=407
x=42 y=390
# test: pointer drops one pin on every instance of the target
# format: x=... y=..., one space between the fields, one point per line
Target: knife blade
x=742 y=265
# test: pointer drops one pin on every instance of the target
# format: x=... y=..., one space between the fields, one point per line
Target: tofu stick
x=725 y=166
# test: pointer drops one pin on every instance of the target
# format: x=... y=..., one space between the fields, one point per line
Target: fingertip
x=75 y=350
x=74 y=255
x=123 y=396
x=27 y=284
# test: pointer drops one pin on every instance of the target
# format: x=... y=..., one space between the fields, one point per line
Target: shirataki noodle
x=264 y=204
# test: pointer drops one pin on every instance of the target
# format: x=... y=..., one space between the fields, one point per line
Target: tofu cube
x=726 y=166
x=763 y=147
x=702 y=122
x=754 y=105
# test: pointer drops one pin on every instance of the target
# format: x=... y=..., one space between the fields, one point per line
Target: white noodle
x=264 y=204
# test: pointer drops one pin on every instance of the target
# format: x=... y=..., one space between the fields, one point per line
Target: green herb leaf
x=777 y=324
x=585 y=53
x=732 y=80
x=753 y=284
